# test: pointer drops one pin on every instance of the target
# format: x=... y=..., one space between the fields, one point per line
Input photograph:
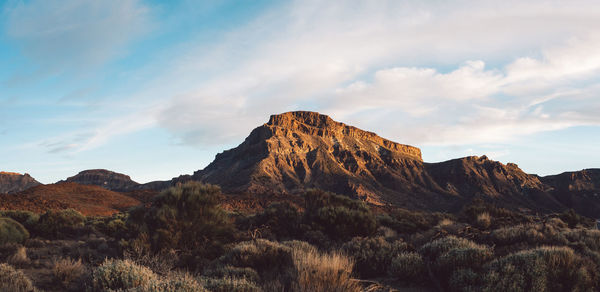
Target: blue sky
x=155 y=89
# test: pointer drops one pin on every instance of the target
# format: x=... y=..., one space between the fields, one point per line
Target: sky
x=155 y=89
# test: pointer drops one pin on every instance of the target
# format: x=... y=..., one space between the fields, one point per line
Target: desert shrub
x=484 y=220
x=271 y=260
x=122 y=274
x=55 y=223
x=281 y=219
x=19 y=257
x=288 y=266
x=185 y=217
x=589 y=237
x=436 y=248
x=557 y=222
x=339 y=217
x=177 y=282
x=573 y=219
x=541 y=269
x=12 y=231
x=450 y=254
x=67 y=270
x=26 y=218
x=372 y=255
x=13 y=280
x=230 y=284
x=531 y=234
x=409 y=267
x=465 y=280
x=463 y=257
x=322 y=272
x=502 y=216
x=220 y=272
x=410 y=221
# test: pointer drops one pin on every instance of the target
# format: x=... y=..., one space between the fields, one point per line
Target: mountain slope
x=579 y=190
x=11 y=182
x=89 y=200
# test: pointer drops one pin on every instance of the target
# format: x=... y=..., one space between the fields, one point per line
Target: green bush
x=122 y=274
x=409 y=267
x=26 y=218
x=13 y=280
x=185 y=217
x=372 y=255
x=541 y=269
x=56 y=223
x=338 y=217
x=12 y=231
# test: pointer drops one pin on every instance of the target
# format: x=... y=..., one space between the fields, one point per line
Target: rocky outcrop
x=579 y=190
x=11 y=182
x=104 y=178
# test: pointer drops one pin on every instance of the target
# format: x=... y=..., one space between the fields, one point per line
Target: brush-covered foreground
x=184 y=241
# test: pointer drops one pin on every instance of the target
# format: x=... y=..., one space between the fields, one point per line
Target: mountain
x=296 y=151
x=104 y=178
x=87 y=199
x=11 y=182
x=579 y=190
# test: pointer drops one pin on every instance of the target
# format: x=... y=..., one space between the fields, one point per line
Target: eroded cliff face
x=11 y=182
x=299 y=150
x=104 y=178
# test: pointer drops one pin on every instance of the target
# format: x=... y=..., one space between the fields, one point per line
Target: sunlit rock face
x=11 y=182
x=296 y=151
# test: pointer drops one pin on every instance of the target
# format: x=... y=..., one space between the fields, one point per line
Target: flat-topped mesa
x=314 y=123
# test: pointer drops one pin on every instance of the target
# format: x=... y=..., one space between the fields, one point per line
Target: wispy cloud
x=72 y=36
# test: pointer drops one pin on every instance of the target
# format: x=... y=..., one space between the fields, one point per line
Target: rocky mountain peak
x=316 y=124
x=12 y=182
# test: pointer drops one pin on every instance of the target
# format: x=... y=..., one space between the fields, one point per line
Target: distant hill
x=104 y=178
x=89 y=200
x=11 y=182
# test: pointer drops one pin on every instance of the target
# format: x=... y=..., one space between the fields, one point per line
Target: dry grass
x=13 y=280
x=484 y=220
x=67 y=270
x=19 y=258
x=322 y=272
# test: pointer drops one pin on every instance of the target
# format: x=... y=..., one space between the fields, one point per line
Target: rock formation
x=11 y=182
x=104 y=178
x=295 y=151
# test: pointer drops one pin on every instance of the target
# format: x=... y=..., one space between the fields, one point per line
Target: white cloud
x=374 y=64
